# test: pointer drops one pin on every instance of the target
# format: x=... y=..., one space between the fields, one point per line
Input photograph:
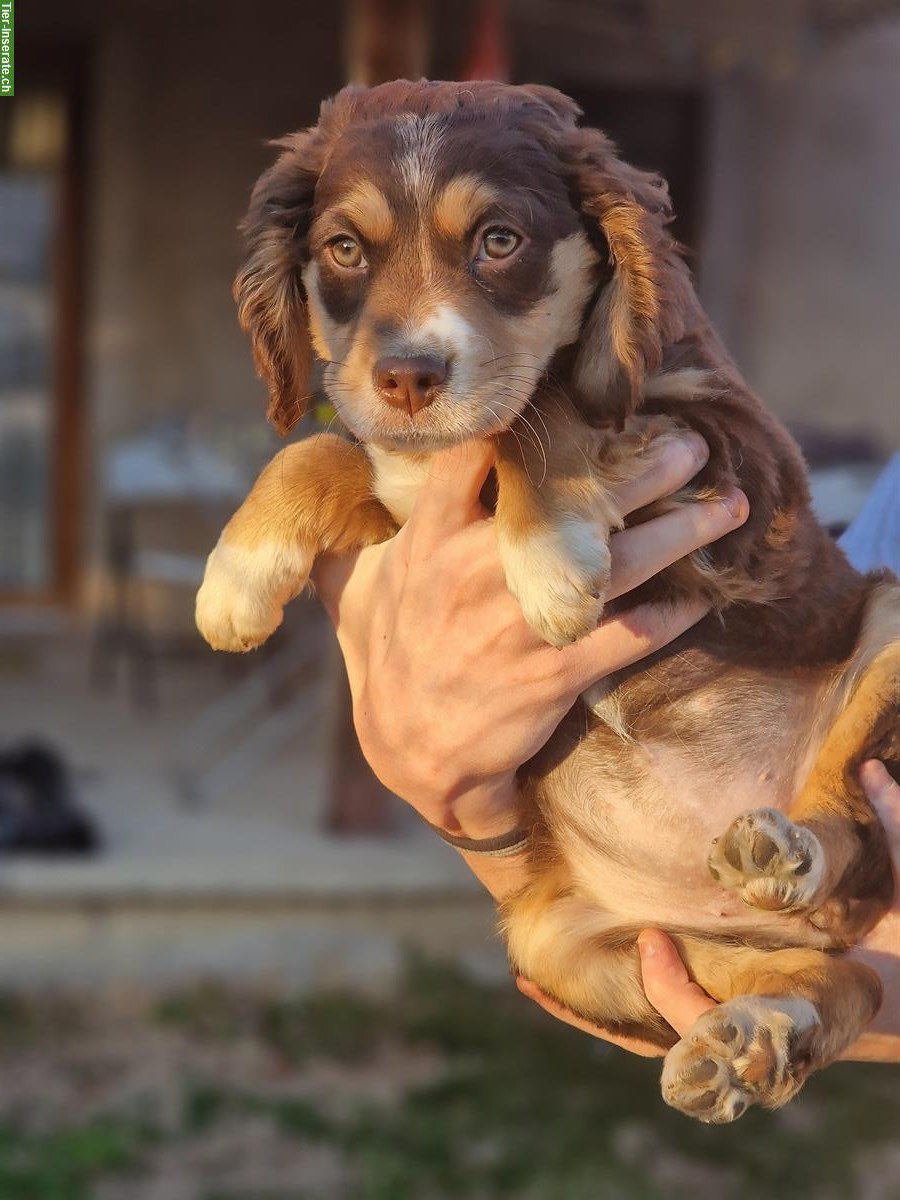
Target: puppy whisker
x=538 y=444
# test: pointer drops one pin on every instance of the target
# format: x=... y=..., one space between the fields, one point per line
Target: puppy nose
x=410 y=383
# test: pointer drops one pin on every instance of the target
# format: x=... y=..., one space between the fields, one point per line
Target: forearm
x=502 y=877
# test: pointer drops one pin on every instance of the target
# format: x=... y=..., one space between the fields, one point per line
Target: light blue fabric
x=873 y=540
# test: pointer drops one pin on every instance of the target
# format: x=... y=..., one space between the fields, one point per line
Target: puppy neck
x=399 y=476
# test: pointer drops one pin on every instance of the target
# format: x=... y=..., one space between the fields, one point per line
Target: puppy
x=468 y=262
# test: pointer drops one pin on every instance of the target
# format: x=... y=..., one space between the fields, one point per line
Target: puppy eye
x=347 y=252
x=499 y=242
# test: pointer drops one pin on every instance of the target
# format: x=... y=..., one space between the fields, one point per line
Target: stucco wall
x=801 y=264
x=179 y=125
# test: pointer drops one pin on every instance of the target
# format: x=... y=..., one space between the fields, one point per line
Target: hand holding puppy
x=451 y=689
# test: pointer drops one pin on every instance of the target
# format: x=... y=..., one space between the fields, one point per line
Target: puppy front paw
x=769 y=861
x=241 y=600
x=559 y=575
x=751 y=1050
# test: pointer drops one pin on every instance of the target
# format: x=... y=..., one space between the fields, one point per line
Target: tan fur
x=461 y=203
x=369 y=211
x=315 y=497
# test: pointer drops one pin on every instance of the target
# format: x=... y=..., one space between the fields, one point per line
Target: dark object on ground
x=39 y=813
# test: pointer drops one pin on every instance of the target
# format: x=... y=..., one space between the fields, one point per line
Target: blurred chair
x=162 y=480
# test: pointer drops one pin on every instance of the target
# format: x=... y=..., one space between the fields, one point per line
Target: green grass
x=518 y=1107
x=63 y=1164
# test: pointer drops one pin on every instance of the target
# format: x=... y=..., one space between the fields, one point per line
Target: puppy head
x=438 y=245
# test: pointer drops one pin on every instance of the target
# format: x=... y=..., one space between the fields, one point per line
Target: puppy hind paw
x=559 y=576
x=751 y=1050
x=771 y=862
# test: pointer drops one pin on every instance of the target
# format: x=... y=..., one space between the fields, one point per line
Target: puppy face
x=438 y=244
x=445 y=271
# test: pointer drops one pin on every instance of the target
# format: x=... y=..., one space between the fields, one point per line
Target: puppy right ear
x=268 y=289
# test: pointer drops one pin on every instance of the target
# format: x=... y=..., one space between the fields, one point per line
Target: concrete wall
x=801 y=263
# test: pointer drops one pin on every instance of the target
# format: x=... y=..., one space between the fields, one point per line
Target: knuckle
x=681 y=456
x=560 y=669
x=643 y=625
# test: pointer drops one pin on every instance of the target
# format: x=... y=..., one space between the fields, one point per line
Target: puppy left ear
x=268 y=288
x=642 y=307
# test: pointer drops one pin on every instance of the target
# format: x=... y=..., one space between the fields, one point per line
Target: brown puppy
x=469 y=263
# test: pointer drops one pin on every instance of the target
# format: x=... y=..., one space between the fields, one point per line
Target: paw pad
x=769 y=861
x=752 y=1050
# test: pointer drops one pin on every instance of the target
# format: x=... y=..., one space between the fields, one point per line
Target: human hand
x=451 y=690
x=676 y=997
x=880 y=948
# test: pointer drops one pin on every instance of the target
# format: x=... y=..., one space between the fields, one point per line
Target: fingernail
x=870 y=772
x=736 y=504
x=646 y=946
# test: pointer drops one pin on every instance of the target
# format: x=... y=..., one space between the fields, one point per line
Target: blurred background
x=231 y=967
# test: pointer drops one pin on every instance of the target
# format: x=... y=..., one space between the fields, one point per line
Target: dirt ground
x=450 y=1090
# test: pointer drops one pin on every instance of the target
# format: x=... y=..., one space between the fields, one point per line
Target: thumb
x=450 y=499
x=884 y=795
x=667 y=984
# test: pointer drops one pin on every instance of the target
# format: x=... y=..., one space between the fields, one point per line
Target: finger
x=450 y=498
x=884 y=794
x=669 y=463
x=555 y=1009
x=624 y=640
x=667 y=984
x=642 y=552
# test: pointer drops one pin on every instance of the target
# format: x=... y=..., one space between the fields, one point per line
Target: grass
x=516 y=1107
x=63 y=1164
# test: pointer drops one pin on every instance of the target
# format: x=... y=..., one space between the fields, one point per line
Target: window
x=37 y=367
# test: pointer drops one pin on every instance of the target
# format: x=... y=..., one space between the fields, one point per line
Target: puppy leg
x=791 y=1012
x=829 y=857
x=572 y=950
x=553 y=519
x=314 y=497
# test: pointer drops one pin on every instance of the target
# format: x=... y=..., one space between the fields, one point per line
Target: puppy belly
x=637 y=841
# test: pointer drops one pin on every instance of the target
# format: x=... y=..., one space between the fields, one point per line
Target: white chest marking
x=398 y=479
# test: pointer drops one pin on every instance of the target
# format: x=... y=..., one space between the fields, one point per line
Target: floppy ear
x=641 y=309
x=268 y=288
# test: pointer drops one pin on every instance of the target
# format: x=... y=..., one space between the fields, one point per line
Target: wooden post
x=386 y=39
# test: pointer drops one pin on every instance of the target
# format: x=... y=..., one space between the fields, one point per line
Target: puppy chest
x=398 y=479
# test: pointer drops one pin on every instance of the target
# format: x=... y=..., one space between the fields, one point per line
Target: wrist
x=480 y=810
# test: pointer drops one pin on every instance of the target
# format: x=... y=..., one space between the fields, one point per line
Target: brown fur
x=577 y=353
